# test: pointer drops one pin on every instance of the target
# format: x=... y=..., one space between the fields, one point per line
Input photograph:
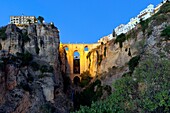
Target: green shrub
x=147 y=91
x=108 y=89
x=47 y=108
x=88 y=95
x=3 y=35
x=85 y=78
x=26 y=57
x=144 y=24
x=154 y=74
x=160 y=19
x=35 y=66
x=149 y=32
x=45 y=68
x=164 y=9
x=129 y=36
x=120 y=39
x=167 y=48
x=25 y=87
x=133 y=63
x=25 y=37
x=129 y=53
x=37 y=50
x=166 y=33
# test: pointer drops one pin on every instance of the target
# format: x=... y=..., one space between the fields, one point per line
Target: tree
x=41 y=19
x=113 y=33
x=120 y=38
x=29 y=21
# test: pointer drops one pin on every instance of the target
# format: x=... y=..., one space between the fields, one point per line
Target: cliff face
x=32 y=71
x=110 y=61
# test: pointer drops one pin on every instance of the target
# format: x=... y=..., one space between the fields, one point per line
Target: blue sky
x=79 y=21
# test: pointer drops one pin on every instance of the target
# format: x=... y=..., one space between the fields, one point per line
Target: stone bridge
x=83 y=50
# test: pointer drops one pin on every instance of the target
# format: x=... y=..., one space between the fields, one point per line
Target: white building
x=120 y=29
x=105 y=39
x=145 y=14
x=20 y=20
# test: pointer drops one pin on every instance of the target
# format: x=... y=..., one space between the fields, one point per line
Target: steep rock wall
x=110 y=55
x=32 y=71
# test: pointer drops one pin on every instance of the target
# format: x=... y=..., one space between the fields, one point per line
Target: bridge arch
x=76 y=62
x=66 y=48
x=83 y=50
x=86 y=48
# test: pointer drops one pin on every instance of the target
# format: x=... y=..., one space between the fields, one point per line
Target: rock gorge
x=32 y=71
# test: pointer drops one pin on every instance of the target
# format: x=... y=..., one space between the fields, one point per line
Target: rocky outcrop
x=109 y=61
x=32 y=72
x=110 y=55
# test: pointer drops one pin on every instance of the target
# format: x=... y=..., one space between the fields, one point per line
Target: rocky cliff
x=110 y=60
x=32 y=71
x=139 y=76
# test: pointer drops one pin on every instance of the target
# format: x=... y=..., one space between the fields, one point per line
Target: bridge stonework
x=80 y=48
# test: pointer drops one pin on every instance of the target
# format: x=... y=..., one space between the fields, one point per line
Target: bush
x=164 y=9
x=35 y=66
x=154 y=74
x=147 y=91
x=166 y=33
x=88 y=95
x=133 y=63
x=85 y=78
x=37 y=50
x=3 y=35
x=144 y=24
x=159 y=19
x=25 y=37
x=129 y=53
x=120 y=39
x=45 y=68
x=25 y=87
x=47 y=108
x=25 y=57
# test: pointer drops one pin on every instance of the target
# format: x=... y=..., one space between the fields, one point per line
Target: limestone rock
x=29 y=87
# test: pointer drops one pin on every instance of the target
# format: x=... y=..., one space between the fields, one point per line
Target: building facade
x=21 y=20
x=144 y=14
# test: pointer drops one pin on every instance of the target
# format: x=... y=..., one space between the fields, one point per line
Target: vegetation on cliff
x=146 y=87
x=2 y=33
x=147 y=90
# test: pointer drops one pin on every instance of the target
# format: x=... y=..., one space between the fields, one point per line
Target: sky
x=79 y=21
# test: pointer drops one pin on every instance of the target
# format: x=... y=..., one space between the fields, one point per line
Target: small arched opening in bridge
x=76 y=80
x=86 y=48
x=66 y=48
x=76 y=63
